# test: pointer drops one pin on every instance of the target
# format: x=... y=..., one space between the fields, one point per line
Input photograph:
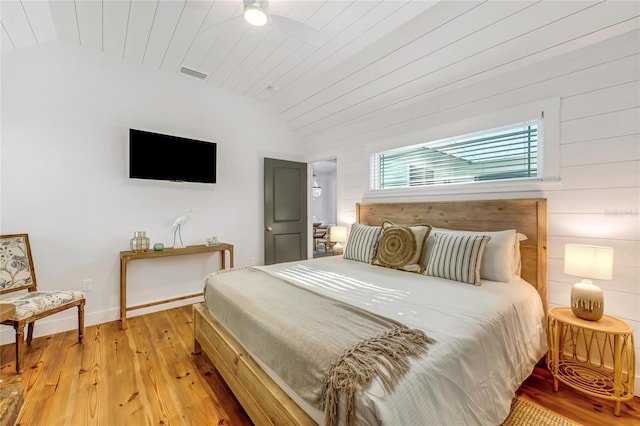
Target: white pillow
x=517 y=258
x=501 y=258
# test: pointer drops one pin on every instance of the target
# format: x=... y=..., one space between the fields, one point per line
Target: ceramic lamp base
x=587 y=301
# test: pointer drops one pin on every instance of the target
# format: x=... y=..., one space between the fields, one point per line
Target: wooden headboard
x=528 y=216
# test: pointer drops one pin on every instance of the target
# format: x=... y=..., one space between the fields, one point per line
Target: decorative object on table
x=588 y=262
x=212 y=241
x=140 y=241
x=178 y=224
x=337 y=235
x=316 y=191
x=158 y=246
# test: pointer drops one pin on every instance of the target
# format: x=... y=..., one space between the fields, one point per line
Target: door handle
x=268 y=229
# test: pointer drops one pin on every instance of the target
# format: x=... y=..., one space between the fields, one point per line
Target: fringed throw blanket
x=325 y=350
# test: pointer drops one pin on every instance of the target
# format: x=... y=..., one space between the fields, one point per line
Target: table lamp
x=338 y=234
x=588 y=262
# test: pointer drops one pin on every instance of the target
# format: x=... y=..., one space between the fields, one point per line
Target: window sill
x=465 y=189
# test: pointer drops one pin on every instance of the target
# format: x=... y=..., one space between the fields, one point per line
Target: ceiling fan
x=256 y=13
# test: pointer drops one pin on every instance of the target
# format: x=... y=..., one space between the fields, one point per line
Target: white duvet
x=488 y=339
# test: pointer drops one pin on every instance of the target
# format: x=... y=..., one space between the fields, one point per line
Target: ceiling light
x=255 y=16
x=316 y=190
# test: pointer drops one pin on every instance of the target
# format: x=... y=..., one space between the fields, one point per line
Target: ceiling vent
x=193 y=73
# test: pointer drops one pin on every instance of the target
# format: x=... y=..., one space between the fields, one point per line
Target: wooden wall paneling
x=471 y=50
x=601 y=126
x=198 y=52
x=415 y=28
x=625 y=281
x=343 y=45
x=599 y=226
x=614 y=98
x=591 y=151
x=65 y=12
x=608 y=63
x=626 y=252
x=91 y=15
x=609 y=201
x=166 y=16
x=114 y=34
x=372 y=86
x=140 y=23
x=192 y=20
x=599 y=176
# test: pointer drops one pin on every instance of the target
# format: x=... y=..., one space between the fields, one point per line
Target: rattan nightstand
x=594 y=357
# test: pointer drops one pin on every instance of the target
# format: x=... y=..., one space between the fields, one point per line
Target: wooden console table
x=127 y=256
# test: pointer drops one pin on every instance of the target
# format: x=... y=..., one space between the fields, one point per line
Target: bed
x=482 y=348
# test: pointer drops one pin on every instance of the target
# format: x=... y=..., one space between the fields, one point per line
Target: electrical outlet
x=252 y=261
x=87 y=284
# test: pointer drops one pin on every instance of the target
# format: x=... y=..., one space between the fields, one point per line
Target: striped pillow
x=363 y=242
x=457 y=257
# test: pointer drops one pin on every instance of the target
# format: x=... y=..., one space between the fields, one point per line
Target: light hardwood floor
x=147 y=375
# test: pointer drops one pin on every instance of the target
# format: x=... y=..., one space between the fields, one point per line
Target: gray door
x=285 y=211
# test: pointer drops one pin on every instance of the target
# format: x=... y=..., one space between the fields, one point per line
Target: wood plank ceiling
x=376 y=56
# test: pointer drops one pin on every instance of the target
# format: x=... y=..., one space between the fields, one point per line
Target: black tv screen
x=164 y=157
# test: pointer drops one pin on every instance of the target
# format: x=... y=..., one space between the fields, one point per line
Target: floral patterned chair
x=17 y=273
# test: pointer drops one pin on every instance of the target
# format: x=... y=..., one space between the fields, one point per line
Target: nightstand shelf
x=594 y=357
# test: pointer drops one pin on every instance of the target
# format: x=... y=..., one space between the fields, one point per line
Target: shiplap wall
x=597 y=200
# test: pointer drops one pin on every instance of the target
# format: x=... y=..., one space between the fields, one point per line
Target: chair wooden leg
x=30 y=332
x=19 y=337
x=81 y=323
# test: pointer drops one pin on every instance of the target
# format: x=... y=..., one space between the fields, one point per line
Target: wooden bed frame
x=264 y=401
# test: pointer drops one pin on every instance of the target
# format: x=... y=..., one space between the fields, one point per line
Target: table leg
x=617 y=371
x=554 y=343
x=123 y=294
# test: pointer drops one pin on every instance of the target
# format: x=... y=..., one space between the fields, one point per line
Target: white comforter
x=489 y=338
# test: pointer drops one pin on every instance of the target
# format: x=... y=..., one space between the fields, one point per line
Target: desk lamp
x=588 y=262
x=338 y=234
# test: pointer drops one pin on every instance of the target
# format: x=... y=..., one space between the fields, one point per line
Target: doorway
x=323 y=205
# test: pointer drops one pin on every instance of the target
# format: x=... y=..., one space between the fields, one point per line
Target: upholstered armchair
x=18 y=286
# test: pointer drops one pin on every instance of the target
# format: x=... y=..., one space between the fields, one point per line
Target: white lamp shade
x=594 y=262
x=338 y=234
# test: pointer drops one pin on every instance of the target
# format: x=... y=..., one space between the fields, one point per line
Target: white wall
x=597 y=200
x=66 y=113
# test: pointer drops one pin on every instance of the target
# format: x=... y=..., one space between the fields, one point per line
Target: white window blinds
x=497 y=154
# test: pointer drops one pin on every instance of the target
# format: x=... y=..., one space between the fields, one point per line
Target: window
x=504 y=153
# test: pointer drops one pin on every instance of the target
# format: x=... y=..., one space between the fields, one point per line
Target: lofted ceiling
x=377 y=55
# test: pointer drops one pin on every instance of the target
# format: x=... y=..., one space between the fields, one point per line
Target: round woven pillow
x=398 y=247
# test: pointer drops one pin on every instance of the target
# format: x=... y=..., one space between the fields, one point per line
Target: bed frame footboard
x=261 y=397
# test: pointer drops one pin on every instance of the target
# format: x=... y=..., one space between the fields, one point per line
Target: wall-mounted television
x=163 y=157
